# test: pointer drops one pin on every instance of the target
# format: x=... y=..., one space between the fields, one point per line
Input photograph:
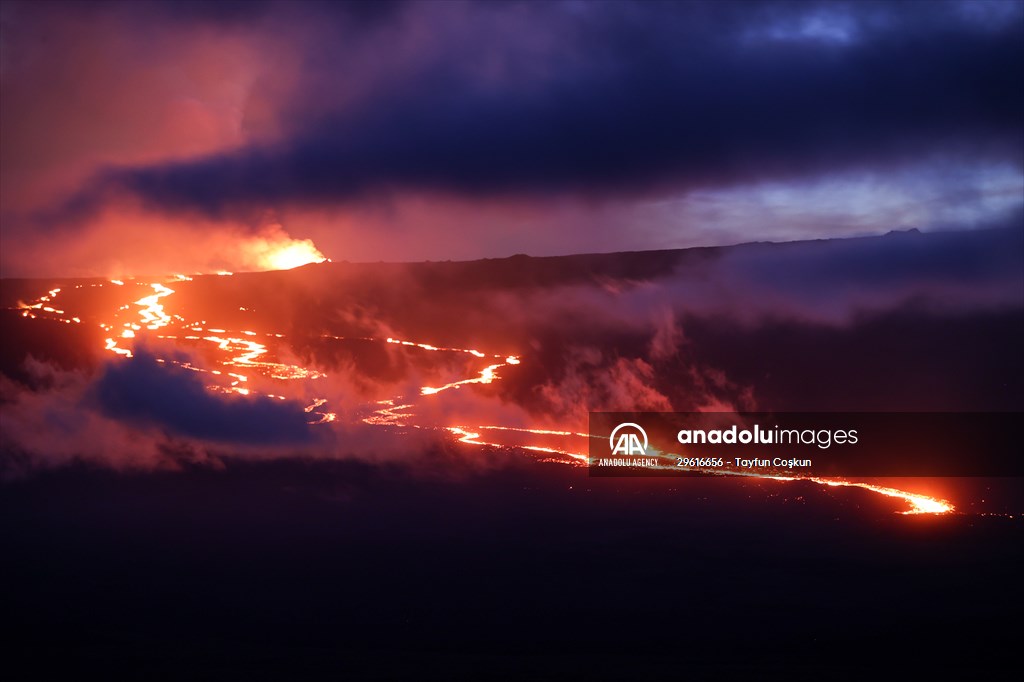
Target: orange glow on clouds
x=274 y=249
x=124 y=241
x=292 y=255
x=243 y=351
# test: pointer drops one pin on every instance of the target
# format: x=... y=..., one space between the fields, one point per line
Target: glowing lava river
x=251 y=363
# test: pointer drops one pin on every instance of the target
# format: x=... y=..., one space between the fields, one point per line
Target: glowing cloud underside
x=274 y=249
x=292 y=256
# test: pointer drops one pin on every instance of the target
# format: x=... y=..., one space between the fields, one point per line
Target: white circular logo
x=627 y=443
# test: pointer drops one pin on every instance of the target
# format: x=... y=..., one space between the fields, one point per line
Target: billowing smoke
x=380 y=361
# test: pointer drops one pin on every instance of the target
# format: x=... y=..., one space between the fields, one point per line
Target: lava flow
x=238 y=349
x=919 y=504
x=241 y=354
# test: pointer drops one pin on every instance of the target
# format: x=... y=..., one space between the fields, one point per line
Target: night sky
x=409 y=131
x=305 y=307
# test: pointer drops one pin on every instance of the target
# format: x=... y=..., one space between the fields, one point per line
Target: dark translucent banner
x=806 y=444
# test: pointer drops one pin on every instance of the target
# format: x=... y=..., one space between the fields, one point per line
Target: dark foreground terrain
x=293 y=570
x=211 y=558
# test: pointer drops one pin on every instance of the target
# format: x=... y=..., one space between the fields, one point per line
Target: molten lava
x=293 y=255
x=241 y=353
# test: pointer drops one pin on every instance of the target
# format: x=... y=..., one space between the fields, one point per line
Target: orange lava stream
x=153 y=315
x=397 y=415
x=40 y=305
x=427 y=346
x=244 y=352
x=540 y=432
x=390 y=415
x=395 y=412
x=919 y=504
x=466 y=436
x=487 y=375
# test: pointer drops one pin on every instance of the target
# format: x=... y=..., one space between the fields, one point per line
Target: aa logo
x=625 y=440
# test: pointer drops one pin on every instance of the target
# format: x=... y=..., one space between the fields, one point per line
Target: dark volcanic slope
x=904 y=321
x=444 y=563
x=320 y=571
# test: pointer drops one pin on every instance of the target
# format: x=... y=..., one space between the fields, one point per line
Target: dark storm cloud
x=143 y=391
x=220 y=12
x=632 y=97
